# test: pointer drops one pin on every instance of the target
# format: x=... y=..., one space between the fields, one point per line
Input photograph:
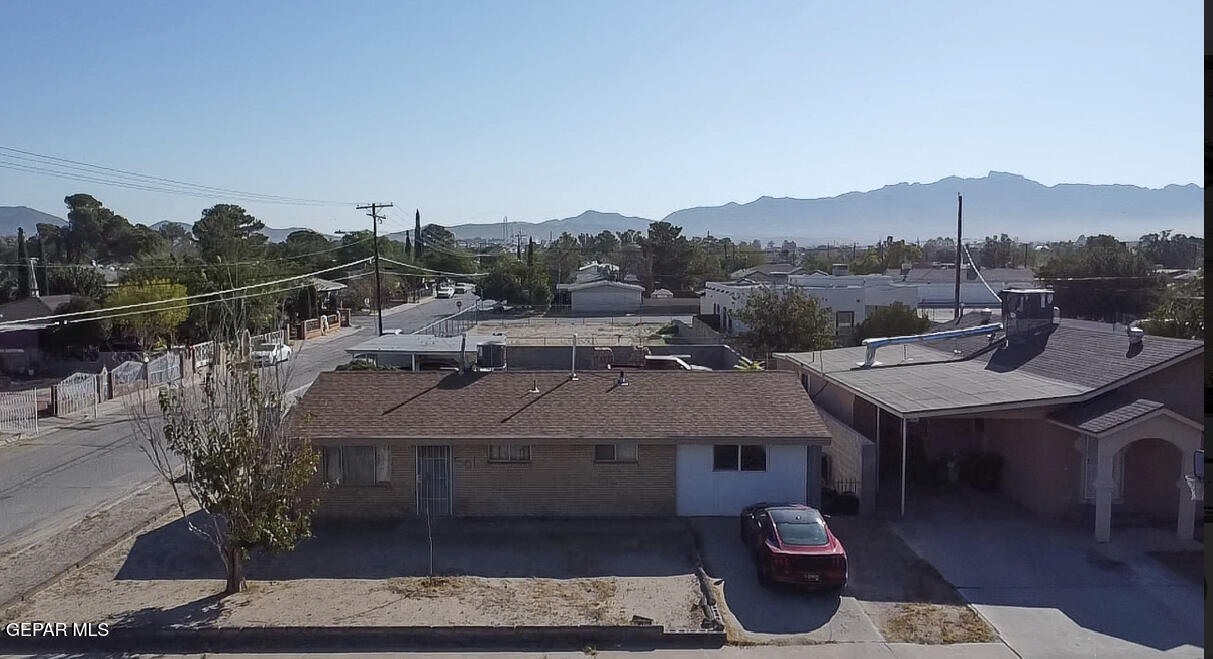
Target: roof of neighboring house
x=662 y=292
x=499 y=405
x=1075 y=361
x=422 y=343
x=767 y=269
x=326 y=286
x=1105 y=413
x=32 y=307
x=946 y=275
x=581 y=286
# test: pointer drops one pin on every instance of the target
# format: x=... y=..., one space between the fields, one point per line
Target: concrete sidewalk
x=1048 y=588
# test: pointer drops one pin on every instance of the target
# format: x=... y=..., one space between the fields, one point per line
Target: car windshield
x=266 y=347
x=805 y=534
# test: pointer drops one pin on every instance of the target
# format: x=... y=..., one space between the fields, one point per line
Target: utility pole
x=959 y=206
x=375 y=219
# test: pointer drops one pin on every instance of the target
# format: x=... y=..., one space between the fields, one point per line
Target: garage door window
x=622 y=452
x=739 y=457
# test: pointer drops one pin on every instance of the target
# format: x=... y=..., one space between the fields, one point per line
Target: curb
x=346 y=639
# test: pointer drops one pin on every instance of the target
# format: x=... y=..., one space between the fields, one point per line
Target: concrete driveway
x=764 y=614
x=1048 y=588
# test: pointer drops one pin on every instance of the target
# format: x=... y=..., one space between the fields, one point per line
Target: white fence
x=164 y=369
x=76 y=393
x=19 y=412
x=204 y=353
x=128 y=372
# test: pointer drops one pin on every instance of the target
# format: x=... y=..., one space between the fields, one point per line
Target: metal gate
x=434 y=480
x=76 y=393
x=19 y=412
x=164 y=369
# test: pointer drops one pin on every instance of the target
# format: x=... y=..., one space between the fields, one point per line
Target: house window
x=844 y=321
x=357 y=465
x=739 y=457
x=1090 y=467
x=621 y=452
x=509 y=453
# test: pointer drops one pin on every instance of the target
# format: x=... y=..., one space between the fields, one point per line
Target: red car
x=792 y=544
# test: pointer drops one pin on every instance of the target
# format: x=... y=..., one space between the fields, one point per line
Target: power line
x=188 y=297
x=117 y=176
x=438 y=272
x=202 y=303
x=192 y=266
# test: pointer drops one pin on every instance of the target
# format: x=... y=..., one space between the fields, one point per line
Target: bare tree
x=225 y=445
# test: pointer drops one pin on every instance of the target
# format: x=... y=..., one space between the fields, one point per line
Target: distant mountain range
x=587 y=222
x=996 y=203
x=28 y=219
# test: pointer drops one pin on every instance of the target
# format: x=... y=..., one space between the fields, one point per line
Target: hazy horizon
x=540 y=111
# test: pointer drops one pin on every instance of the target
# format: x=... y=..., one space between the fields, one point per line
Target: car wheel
x=763 y=579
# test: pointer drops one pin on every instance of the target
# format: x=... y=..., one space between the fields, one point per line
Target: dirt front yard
x=553 y=573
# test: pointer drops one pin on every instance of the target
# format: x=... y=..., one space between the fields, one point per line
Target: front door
x=434 y=480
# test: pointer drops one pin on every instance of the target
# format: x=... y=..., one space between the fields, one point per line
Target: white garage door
x=704 y=490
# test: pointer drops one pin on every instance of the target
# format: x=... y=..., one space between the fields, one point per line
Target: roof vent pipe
x=573 y=365
x=873 y=344
x=623 y=379
x=1135 y=333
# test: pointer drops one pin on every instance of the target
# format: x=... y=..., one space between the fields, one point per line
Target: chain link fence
x=454 y=324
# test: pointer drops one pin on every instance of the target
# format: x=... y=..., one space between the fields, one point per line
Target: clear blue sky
x=540 y=110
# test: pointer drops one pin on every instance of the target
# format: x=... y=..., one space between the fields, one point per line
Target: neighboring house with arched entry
x=1078 y=420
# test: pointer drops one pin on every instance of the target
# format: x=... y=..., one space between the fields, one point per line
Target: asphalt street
x=51 y=481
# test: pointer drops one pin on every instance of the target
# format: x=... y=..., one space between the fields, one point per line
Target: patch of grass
x=935 y=624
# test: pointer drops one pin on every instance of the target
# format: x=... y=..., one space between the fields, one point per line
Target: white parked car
x=444 y=291
x=461 y=288
x=265 y=354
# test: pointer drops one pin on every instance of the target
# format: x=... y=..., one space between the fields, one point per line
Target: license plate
x=810 y=576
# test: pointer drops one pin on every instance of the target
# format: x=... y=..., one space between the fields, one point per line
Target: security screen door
x=434 y=480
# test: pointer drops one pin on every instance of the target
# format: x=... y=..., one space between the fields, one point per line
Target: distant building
x=603 y=296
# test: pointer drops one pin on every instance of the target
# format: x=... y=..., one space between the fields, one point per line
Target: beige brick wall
x=564 y=480
x=393 y=499
x=560 y=480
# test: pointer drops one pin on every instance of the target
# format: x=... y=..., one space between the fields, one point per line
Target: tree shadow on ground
x=557 y=549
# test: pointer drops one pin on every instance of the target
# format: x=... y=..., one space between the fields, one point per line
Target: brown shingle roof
x=1105 y=413
x=654 y=405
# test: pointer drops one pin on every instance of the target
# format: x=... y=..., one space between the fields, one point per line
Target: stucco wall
x=702 y=491
x=606 y=298
x=1151 y=473
x=1180 y=388
x=1042 y=467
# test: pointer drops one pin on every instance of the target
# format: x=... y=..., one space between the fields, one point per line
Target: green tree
x=1172 y=251
x=73 y=335
x=669 y=254
x=1102 y=279
x=896 y=319
x=792 y=322
x=227 y=233
x=417 y=251
x=1181 y=312
x=563 y=258
x=153 y=323
x=23 y=282
x=81 y=280
x=227 y=446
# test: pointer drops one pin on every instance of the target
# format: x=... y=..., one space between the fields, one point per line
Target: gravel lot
x=552 y=573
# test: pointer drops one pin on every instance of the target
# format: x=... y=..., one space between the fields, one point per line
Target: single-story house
x=21 y=343
x=602 y=295
x=420 y=352
x=1089 y=421
x=543 y=443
